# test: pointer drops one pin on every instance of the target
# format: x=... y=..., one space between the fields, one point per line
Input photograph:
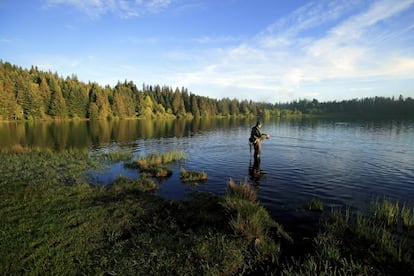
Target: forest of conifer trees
x=32 y=94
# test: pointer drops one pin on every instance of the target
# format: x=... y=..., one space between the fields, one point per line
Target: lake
x=342 y=163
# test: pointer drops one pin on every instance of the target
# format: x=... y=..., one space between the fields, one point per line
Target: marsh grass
x=407 y=216
x=158 y=172
x=52 y=222
x=385 y=211
x=354 y=243
x=314 y=205
x=192 y=176
x=243 y=190
x=55 y=223
x=391 y=214
x=251 y=221
x=154 y=159
x=153 y=164
x=116 y=156
x=37 y=190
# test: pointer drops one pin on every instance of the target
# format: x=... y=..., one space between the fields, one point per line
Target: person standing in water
x=256 y=137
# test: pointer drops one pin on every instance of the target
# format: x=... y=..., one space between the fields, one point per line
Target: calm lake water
x=342 y=163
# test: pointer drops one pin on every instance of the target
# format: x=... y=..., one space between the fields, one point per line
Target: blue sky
x=263 y=50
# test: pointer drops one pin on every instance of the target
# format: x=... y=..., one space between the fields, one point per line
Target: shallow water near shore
x=341 y=163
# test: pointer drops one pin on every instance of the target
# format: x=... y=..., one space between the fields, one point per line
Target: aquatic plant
x=244 y=190
x=315 y=205
x=153 y=159
x=407 y=216
x=192 y=176
x=152 y=164
x=250 y=220
x=385 y=211
x=116 y=155
x=172 y=156
x=354 y=243
x=158 y=172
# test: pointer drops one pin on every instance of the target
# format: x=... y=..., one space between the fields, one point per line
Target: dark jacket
x=256 y=134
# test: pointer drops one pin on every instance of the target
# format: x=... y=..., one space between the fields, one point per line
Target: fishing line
x=295 y=138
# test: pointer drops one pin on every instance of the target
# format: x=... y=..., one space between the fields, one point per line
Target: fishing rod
x=294 y=138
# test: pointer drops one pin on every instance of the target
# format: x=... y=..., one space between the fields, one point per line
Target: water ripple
x=341 y=165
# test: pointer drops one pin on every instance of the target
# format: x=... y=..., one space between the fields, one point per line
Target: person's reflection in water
x=255 y=171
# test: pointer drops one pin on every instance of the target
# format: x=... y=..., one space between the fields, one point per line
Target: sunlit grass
x=243 y=190
x=157 y=159
x=116 y=155
x=55 y=223
x=153 y=164
x=159 y=172
x=52 y=222
x=251 y=220
x=192 y=175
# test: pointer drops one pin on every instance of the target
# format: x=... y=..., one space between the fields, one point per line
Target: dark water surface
x=342 y=163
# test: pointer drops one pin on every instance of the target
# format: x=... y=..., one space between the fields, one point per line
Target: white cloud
x=305 y=54
x=289 y=58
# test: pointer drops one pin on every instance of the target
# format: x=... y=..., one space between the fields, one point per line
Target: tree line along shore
x=32 y=94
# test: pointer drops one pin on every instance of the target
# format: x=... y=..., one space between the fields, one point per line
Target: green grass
x=43 y=213
x=353 y=243
x=192 y=176
x=385 y=211
x=55 y=223
x=407 y=216
x=52 y=222
x=243 y=190
x=250 y=220
x=153 y=164
x=154 y=159
x=158 y=172
x=116 y=155
x=315 y=205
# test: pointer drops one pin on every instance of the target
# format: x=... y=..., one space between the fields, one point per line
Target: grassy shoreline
x=53 y=222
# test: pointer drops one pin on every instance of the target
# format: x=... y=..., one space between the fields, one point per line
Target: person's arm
x=264 y=136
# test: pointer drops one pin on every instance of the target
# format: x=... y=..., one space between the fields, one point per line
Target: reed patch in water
x=356 y=243
x=153 y=164
x=407 y=216
x=314 y=204
x=243 y=190
x=115 y=155
x=154 y=159
x=192 y=175
x=250 y=220
x=385 y=211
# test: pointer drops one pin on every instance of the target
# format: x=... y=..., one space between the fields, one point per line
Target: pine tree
x=57 y=107
x=8 y=104
x=194 y=106
x=178 y=107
